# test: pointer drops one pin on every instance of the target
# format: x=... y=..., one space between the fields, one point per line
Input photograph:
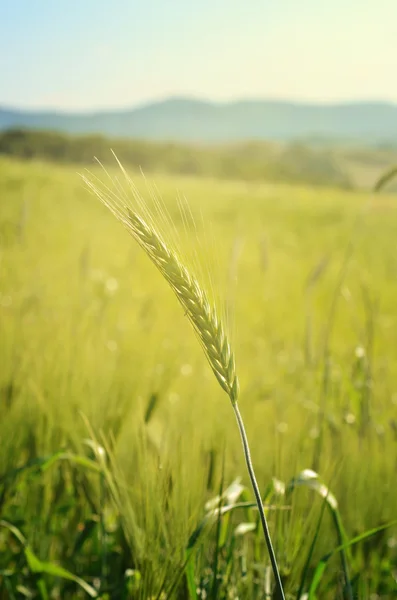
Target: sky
x=83 y=55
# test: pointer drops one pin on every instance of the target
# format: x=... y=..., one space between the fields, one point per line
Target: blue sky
x=92 y=54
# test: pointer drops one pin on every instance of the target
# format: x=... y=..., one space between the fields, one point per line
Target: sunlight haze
x=89 y=55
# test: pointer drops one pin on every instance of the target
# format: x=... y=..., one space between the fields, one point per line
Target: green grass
x=93 y=346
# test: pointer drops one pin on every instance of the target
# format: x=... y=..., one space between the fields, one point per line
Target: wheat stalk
x=202 y=315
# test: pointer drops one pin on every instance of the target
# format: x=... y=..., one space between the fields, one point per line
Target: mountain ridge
x=184 y=119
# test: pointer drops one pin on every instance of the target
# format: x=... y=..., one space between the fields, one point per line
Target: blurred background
x=277 y=124
x=293 y=91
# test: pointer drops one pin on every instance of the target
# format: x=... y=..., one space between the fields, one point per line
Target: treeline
x=293 y=163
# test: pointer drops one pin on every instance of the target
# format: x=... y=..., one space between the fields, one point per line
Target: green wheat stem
x=254 y=483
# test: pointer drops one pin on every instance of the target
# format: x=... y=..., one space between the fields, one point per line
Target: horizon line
x=199 y=100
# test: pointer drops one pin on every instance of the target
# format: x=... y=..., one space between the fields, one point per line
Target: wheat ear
x=203 y=317
x=193 y=299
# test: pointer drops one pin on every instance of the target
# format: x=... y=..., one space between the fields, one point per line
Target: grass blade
x=319 y=572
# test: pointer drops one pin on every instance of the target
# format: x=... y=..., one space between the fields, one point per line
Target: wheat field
x=118 y=444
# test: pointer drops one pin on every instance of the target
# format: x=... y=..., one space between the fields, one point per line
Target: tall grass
x=120 y=471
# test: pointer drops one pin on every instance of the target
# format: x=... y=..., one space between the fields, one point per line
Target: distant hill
x=195 y=121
